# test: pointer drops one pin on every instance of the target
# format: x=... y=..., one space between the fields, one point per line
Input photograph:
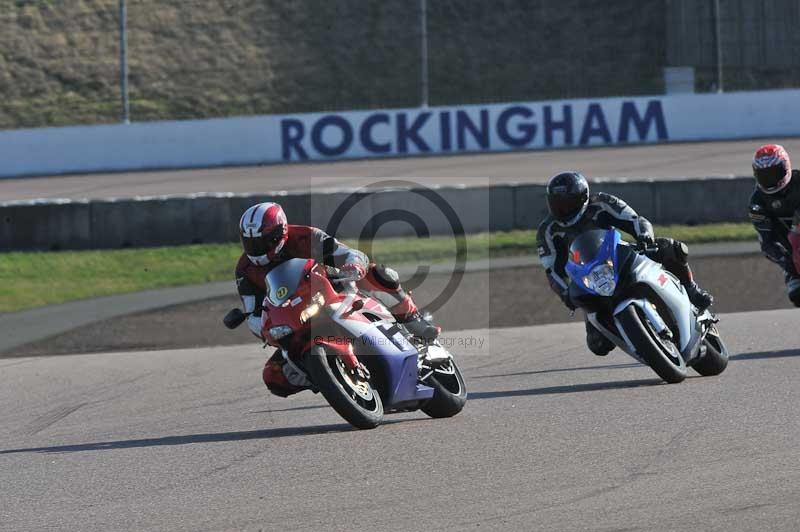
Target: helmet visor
x=770 y=178
x=258 y=246
x=564 y=207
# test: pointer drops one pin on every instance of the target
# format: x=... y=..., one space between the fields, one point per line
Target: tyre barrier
x=205 y=218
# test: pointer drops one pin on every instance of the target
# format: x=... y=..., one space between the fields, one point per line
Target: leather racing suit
x=776 y=218
x=380 y=282
x=605 y=211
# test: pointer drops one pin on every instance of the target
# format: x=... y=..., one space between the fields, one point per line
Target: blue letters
x=527 y=130
x=551 y=125
x=471 y=129
x=480 y=134
x=292 y=132
x=366 y=134
x=595 y=114
x=334 y=121
x=444 y=130
x=406 y=133
x=653 y=114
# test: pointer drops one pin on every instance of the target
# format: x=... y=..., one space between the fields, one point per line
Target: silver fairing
x=671 y=292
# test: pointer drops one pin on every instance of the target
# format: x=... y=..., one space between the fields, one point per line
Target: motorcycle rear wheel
x=660 y=354
x=352 y=397
x=716 y=358
x=450 y=393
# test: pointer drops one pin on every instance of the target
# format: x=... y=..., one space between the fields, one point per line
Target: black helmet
x=567 y=197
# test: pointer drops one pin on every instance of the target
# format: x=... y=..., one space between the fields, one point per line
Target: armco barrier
x=201 y=218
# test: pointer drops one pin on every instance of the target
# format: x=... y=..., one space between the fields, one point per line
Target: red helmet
x=264 y=231
x=772 y=168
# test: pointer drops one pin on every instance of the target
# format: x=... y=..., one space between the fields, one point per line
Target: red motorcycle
x=352 y=350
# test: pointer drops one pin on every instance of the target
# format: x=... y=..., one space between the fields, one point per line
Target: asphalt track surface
x=665 y=161
x=552 y=438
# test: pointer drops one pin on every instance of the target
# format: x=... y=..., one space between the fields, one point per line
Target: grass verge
x=30 y=280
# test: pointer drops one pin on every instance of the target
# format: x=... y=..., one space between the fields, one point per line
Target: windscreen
x=585 y=248
x=283 y=280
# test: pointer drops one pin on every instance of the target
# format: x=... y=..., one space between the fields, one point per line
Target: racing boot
x=282 y=379
x=597 y=343
x=421 y=327
x=700 y=298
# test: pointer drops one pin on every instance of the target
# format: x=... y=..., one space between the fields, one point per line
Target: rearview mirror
x=234 y=318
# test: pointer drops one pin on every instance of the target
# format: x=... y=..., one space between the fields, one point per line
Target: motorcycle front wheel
x=715 y=360
x=450 y=393
x=661 y=354
x=351 y=395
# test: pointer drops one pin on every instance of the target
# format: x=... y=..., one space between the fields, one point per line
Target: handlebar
x=336 y=276
x=642 y=247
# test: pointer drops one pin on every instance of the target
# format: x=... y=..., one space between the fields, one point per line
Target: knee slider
x=386 y=277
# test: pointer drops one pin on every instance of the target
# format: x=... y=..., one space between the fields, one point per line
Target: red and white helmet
x=772 y=168
x=264 y=231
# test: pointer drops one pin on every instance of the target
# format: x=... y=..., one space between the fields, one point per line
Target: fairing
x=668 y=289
x=638 y=281
x=356 y=328
x=282 y=281
x=590 y=250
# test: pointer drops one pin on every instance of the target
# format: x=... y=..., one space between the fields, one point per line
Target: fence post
x=718 y=44
x=423 y=5
x=123 y=60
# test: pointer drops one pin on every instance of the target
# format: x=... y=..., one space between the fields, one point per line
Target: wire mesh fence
x=60 y=59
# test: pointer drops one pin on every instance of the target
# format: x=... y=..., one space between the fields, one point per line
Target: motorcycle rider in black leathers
x=775 y=209
x=572 y=212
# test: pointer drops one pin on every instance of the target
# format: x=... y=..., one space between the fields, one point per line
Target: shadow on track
x=188 y=439
x=218 y=437
x=290 y=409
x=767 y=354
x=559 y=370
x=567 y=388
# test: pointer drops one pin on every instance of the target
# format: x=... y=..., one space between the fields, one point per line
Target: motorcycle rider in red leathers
x=775 y=213
x=268 y=239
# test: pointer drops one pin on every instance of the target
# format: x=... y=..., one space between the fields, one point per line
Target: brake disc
x=359 y=386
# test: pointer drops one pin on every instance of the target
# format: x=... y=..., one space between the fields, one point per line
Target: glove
x=351 y=272
x=645 y=241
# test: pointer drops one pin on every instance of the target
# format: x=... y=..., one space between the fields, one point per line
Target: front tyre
x=661 y=354
x=349 y=394
x=450 y=393
x=715 y=360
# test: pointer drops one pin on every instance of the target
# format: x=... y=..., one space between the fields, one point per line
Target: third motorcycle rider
x=775 y=213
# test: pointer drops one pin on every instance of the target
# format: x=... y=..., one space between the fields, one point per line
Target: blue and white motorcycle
x=642 y=308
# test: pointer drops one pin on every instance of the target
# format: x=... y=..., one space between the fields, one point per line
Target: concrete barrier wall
x=399 y=132
x=141 y=222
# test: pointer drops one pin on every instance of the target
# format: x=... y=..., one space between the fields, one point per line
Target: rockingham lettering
x=472 y=129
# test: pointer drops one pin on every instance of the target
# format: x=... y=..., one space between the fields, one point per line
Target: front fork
x=707 y=322
x=432 y=357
